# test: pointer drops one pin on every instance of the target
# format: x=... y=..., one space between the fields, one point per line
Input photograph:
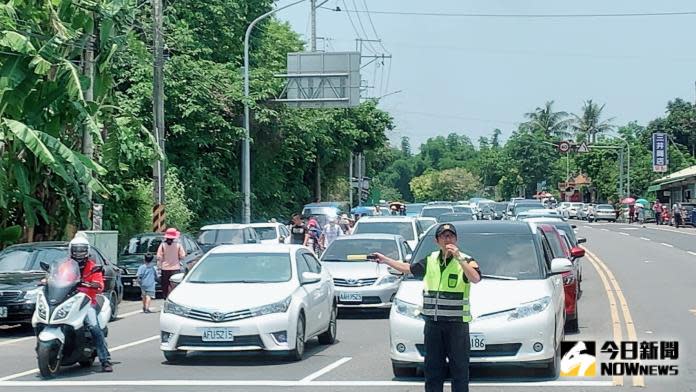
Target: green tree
x=549 y=122
x=589 y=123
x=451 y=184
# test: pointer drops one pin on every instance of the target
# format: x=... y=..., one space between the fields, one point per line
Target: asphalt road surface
x=638 y=285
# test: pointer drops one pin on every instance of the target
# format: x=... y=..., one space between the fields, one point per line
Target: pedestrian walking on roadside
x=169 y=256
x=631 y=213
x=677 y=214
x=298 y=230
x=147 y=276
x=331 y=231
x=447 y=276
x=657 y=209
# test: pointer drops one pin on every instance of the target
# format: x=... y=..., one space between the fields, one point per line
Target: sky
x=471 y=75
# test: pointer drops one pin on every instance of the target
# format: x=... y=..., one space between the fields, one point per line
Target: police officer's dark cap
x=445 y=227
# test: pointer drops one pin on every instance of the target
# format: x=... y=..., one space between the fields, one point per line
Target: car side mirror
x=281 y=239
x=577 y=252
x=97 y=268
x=408 y=257
x=177 y=278
x=251 y=241
x=44 y=266
x=560 y=265
x=310 y=277
x=574 y=226
x=582 y=240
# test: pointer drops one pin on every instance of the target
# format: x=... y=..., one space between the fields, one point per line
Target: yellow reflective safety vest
x=446 y=292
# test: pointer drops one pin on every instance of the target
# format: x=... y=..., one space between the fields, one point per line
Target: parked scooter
x=63 y=337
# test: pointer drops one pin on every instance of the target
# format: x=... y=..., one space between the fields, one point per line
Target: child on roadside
x=147 y=274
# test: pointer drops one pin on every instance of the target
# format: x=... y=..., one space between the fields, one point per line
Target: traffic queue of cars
x=245 y=288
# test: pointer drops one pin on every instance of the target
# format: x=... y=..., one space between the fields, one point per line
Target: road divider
x=614 y=293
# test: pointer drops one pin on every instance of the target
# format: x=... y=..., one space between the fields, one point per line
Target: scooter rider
x=92 y=284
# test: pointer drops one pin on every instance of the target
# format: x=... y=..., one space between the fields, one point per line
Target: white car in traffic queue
x=517 y=308
x=405 y=226
x=270 y=298
x=271 y=232
x=359 y=282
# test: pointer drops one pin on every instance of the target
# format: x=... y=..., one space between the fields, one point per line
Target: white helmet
x=79 y=248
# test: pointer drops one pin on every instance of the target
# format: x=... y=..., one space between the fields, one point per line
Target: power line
x=522 y=16
x=362 y=27
x=369 y=18
x=357 y=33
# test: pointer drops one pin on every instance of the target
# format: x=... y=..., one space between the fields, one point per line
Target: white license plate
x=3 y=312
x=217 y=334
x=478 y=341
x=350 y=297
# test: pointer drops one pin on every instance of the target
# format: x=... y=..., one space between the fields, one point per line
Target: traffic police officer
x=447 y=275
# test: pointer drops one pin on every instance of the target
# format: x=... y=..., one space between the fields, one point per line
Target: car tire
x=404 y=371
x=329 y=337
x=113 y=298
x=572 y=324
x=174 y=356
x=297 y=353
x=554 y=365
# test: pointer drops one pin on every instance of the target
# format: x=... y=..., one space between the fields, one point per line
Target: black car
x=133 y=255
x=20 y=273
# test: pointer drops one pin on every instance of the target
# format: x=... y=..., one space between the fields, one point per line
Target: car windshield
x=221 y=236
x=434 y=212
x=142 y=245
x=242 y=268
x=499 y=254
x=526 y=207
x=567 y=229
x=415 y=208
x=605 y=207
x=27 y=259
x=404 y=229
x=556 y=246
x=266 y=232
x=456 y=217
x=499 y=207
x=357 y=249
x=463 y=209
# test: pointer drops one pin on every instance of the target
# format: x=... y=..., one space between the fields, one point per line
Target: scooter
x=59 y=319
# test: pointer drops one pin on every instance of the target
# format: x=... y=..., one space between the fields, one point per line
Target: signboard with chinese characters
x=660 y=159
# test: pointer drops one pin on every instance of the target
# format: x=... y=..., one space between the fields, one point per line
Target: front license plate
x=350 y=297
x=3 y=312
x=478 y=341
x=217 y=334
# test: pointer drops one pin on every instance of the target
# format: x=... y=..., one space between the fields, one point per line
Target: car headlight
x=171 y=307
x=530 y=308
x=278 y=307
x=407 y=309
x=31 y=295
x=389 y=279
x=64 y=309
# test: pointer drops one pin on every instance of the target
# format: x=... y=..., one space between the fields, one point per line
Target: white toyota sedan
x=517 y=308
x=405 y=226
x=269 y=298
x=271 y=233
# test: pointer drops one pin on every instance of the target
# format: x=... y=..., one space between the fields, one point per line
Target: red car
x=571 y=281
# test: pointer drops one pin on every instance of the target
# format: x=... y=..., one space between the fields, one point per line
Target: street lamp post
x=628 y=168
x=246 y=165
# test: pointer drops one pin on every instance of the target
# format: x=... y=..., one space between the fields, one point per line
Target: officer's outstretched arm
x=404 y=268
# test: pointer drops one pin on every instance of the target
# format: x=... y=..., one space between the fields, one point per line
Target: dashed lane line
x=626 y=234
x=667 y=245
x=645 y=239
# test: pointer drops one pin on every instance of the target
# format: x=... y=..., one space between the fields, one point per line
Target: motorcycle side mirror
x=44 y=266
x=97 y=268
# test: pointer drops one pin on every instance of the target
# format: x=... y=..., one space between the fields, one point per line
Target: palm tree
x=589 y=125
x=549 y=122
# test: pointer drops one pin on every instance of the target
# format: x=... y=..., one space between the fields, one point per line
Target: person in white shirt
x=331 y=231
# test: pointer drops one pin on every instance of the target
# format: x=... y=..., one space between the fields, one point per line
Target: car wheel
x=329 y=337
x=114 y=306
x=174 y=356
x=554 y=365
x=404 y=371
x=298 y=352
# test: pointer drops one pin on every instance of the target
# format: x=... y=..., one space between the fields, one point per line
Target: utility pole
x=158 y=213
x=350 y=181
x=87 y=143
x=313 y=48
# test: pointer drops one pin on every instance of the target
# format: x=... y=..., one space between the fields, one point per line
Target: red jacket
x=89 y=276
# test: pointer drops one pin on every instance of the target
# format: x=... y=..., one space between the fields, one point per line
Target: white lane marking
x=17 y=340
x=624 y=233
x=122 y=316
x=649 y=261
x=604 y=229
x=645 y=239
x=691 y=253
x=272 y=383
x=629 y=228
x=667 y=245
x=587 y=227
x=121 y=347
x=684 y=231
x=326 y=369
